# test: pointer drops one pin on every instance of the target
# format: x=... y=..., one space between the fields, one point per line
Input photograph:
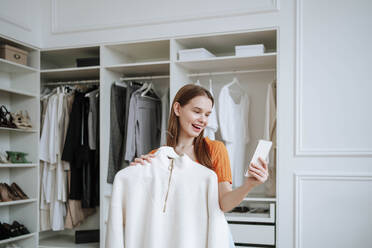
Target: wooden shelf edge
x=18 y=92
x=225 y=58
x=5 y=241
x=18 y=66
x=19 y=130
x=18 y=202
x=18 y=165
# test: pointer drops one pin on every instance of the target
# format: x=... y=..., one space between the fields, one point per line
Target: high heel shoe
x=5 y=197
x=11 y=194
x=18 y=190
x=6 y=119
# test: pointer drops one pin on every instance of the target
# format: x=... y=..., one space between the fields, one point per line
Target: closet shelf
x=142 y=69
x=11 y=67
x=17 y=92
x=19 y=130
x=76 y=73
x=10 y=203
x=5 y=241
x=230 y=63
x=17 y=165
x=64 y=241
x=260 y=199
x=250 y=217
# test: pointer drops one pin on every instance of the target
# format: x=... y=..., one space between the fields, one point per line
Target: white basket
x=194 y=54
x=249 y=50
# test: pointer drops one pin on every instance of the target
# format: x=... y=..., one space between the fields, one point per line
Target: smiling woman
x=189 y=116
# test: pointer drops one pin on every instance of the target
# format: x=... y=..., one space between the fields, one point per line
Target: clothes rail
x=144 y=78
x=229 y=72
x=72 y=82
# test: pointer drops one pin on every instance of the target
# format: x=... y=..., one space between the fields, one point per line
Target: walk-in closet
x=86 y=93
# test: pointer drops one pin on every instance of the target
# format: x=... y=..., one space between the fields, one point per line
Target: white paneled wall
x=21 y=20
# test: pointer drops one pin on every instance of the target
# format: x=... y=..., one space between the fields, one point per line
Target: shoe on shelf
x=5 y=197
x=18 y=190
x=3 y=233
x=3 y=158
x=21 y=228
x=6 y=119
x=17 y=157
x=22 y=120
x=7 y=194
x=10 y=230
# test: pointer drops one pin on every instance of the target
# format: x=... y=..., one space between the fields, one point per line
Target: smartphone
x=262 y=150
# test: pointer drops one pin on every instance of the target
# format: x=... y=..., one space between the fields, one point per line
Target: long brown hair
x=183 y=96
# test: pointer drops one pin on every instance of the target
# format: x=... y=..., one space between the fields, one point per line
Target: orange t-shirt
x=220 y=160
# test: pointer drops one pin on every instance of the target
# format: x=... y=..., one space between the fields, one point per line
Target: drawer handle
x=17 y=56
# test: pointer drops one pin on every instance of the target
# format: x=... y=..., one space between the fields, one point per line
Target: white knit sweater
x=157 y=206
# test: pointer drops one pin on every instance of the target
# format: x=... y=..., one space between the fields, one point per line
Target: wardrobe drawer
x=253 y=234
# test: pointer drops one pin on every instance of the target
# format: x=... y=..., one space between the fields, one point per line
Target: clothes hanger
x=91 y=93
x=121 y=84
x=237 y=83
x=150 y=87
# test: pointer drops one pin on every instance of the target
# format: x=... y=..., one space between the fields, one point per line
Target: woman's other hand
x=258 y=173
x=143 y=159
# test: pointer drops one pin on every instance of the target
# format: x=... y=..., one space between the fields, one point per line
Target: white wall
x=85 y=22
x=21 y=20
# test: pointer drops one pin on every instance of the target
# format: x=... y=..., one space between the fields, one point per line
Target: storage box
x=195 y=54
x=13 y=54
x=81 y=62
x=249 y=50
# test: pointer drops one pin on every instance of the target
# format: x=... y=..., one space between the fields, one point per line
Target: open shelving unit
x=19 y=90
x=58 y=66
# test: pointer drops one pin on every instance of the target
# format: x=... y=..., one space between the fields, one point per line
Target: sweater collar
x=166 y=153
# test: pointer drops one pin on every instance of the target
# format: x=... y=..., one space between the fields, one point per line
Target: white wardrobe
x=159 y=62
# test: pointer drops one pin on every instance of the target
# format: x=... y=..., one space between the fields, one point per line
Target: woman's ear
x=176 y=108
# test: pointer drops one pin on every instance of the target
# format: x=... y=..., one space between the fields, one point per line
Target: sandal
x=22 y=121
x=6 y=119
x=17 y=157
x=4 y=158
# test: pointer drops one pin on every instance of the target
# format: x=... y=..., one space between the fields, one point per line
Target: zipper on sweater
x=170 y=168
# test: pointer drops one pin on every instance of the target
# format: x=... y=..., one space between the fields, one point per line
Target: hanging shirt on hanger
x=172 y=203
x=164 y=117
x=212 y=126
x=144 y=126
x=233 y=117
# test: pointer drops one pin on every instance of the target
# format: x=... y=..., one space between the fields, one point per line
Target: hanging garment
x=119 y=111
x=92 y=121
x=233 y=118
x=270 y=134
x=164 y=117
x=78 y=154
x=54 y=196
x=172 y=203
x=212 y=126
x=144 y=126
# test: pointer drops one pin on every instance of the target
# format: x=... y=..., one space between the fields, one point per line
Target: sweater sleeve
x=116 y=219
x=218 y=235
